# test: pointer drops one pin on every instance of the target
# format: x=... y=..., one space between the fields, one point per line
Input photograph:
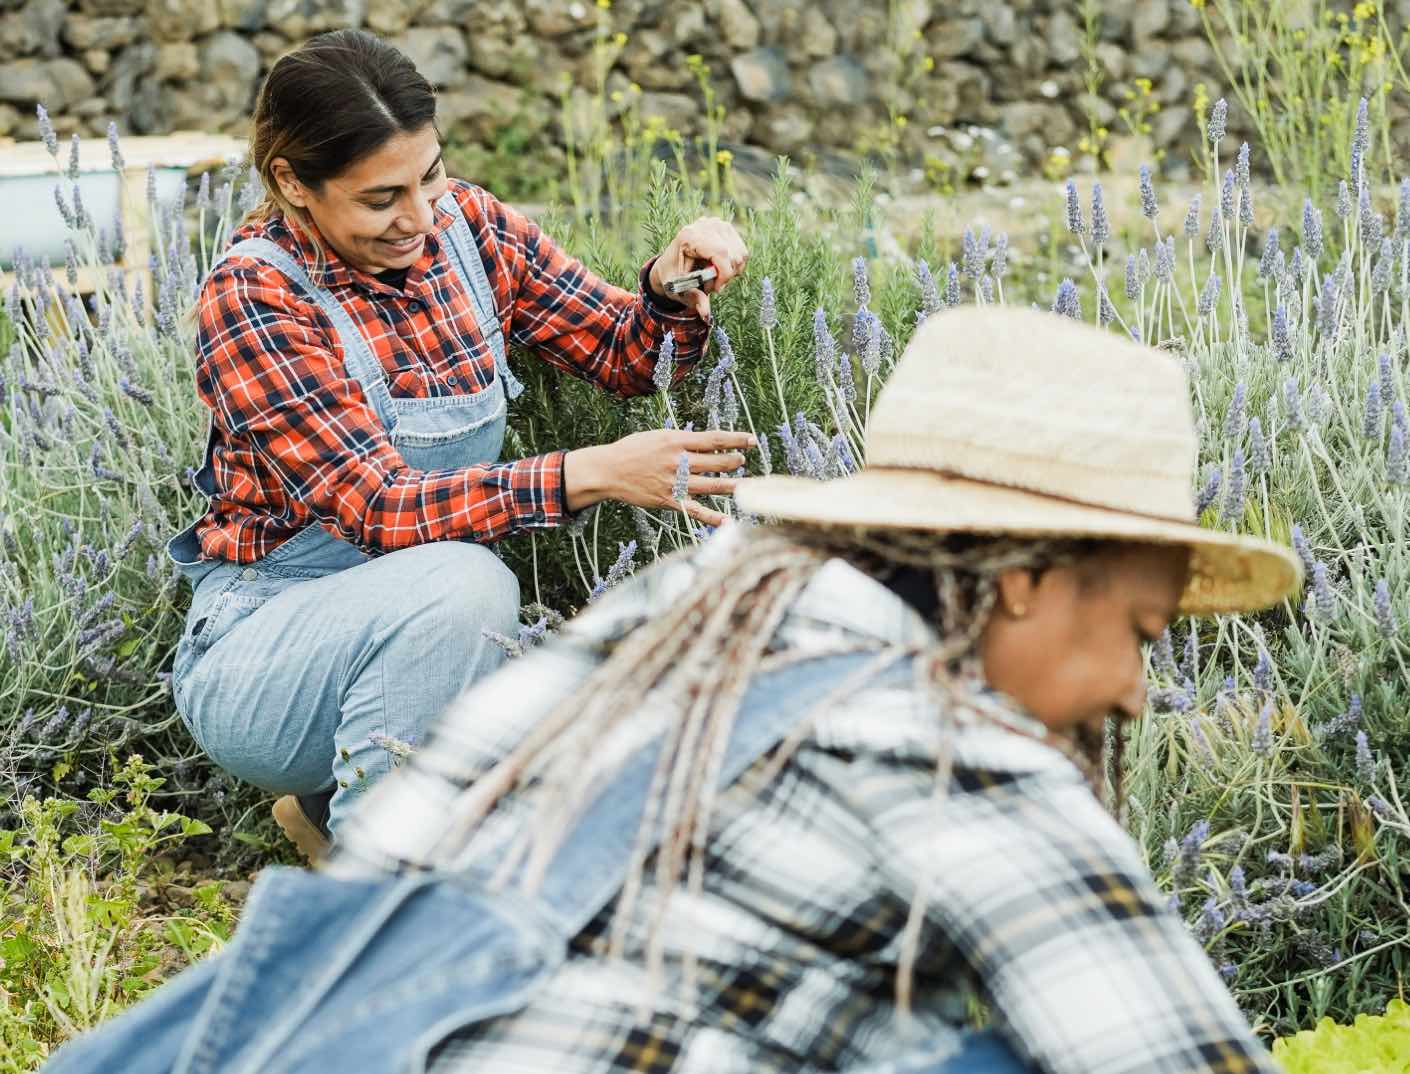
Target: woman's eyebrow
x=393 y=189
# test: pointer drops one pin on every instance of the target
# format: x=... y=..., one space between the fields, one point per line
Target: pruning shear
x=691 y=281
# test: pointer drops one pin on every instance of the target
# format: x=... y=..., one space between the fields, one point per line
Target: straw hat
x=1014 y=421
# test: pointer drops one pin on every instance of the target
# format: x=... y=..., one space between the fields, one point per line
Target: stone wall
x=794 y=76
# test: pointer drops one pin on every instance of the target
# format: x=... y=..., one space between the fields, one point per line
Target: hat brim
x=1228 y=572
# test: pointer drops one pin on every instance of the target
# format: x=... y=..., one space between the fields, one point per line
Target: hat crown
x=1035 y=401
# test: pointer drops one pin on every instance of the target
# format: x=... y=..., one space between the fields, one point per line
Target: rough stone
x=738 y=26
x=954 y=37
x=688 y=27
x=181 y=20
x=481 y=108
x=34 y=28
x=9 y=119
x=556 y=18
x=439 y=54
x=97 y=31
x=1064 y=39
x=297 y=19
x=1000 y=23
x=392 y=16
x=784 y=129
x=229 y=69
x=448 y=13
x=1149 y=18
x=178 y=60
x=816 y=36
x=112 y=7
x=56 y=84
x=130 y=66
x=762 y=75
x=972 y=89
x=839 y=81
x=678 y=110
x=245 y=16
x=97 y=60
x=270 y=46
x=94 y=106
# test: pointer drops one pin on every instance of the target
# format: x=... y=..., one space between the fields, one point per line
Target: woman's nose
x=421 y=217
x=1133 y=703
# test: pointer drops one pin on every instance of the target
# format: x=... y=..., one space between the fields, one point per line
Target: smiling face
x=1066 y=644
x=377 y=213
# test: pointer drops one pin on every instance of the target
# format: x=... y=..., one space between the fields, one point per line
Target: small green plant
x=1379 y=1043
x=91 y=914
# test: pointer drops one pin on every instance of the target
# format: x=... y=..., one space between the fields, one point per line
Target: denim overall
x=448 y=432
x=369 y=975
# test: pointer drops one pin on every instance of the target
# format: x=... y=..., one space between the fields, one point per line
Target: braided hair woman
x=810 y=796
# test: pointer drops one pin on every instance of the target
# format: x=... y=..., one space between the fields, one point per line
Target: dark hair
x=329 y=103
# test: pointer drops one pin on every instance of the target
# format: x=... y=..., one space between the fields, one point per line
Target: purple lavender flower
x=1263 y=670
x=729 y=402
x=1211 y=920
x=1372 y=227
x=1385 y=265
x=768 y=306
x=1385 y=615
x=70 y=221
x=1241 y=165
x=1074 y=210
x=1262 y=741
x=1163 y=654
x=1303 y=550
x=1234 y=418
x=133 y=391
x=1246 y=206
x=1312 y=229
x=1233 y=506
x=1387 y=380
x=116 y=153
x=951 y=297
x=1396 y=470
x=72 y=171
x=1215 y=235
x=46 y=131
x=1067 y=302
x=824 y=347
x=1209 y=296
x=1371 y=425
x=1259 y=457
x=1133 y=287
x=1343 y=205
x=1000 y=266
x=1270 y=254
x=1143 y=267
x=1106 y=312
x=1226 y=196
x=1365 y=762
x=1213 y=478
x=680 y=488
x=1360 y=142
x=80 y=214
x=1218 y=118
x=663 y=375
x=871 y=350
x=861 y=286
x=766 y=461
x=1324 y=597
x=621 y=567
x=971 y=255
x=1188 y=855
x=1192 y=218
x=1402 y=213
x=929 y=293
x=1165 y=259
x=1101 y=225
x=1380 y=807
x=1292 y=403
x=1149 y=208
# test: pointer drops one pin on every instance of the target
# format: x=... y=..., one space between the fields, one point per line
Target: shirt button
x=248 y=574
x=415 y=305
x=452 y=381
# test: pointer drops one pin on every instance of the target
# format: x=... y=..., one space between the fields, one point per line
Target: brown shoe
x=297 y=816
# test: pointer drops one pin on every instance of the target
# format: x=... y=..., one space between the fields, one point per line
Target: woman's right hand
x=640 y=469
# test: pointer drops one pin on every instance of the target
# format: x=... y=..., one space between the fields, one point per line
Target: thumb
x=699 y=303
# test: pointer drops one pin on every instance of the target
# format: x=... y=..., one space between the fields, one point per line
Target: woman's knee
x=466 y=587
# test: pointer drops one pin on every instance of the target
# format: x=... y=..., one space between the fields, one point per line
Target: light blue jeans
x=294 y=684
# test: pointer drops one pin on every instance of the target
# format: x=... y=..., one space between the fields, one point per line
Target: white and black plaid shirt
x=1037 y=901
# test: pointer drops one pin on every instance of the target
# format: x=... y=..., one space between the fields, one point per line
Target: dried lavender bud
x=1066 y=301
x=824 y=347
x=929 y=292
x=1214 y=237
x=1371 y=425
x=1133 y=287
x=1311 y=230
x=70 y=221
x=1381 y=272
x=1369 y=220
x=1163 y=654
x=1396 y=470
x=1387 y=380
x=1246 y=206
x=1218 y=118
x=1143 y=266
x=1165 y=259
x=951 y=297
x=1360 y=142
x=621 y=567
x=971 y=255
x=766 y=461
x=1263 y=670
x=1192 y=218
x=203 y=193
x=1226 y=196
x=1149 y=208
x=113 y=149
x=72 y=171
x=1106 y=312
x=1385 y=615
x=46 y=131
x=1241 y=165
x=986 y=288
x=871 y=351
x=1343 y=200
x=768 y=306
x=729 y=404
x=1101 y=226
x=1074 y=210
x=861 y=286
x=1402 y=212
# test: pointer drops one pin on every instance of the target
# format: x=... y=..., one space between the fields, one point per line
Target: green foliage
x=1374 y=1043
x=93 y=915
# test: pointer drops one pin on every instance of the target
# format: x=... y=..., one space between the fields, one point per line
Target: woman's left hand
x=708 y=241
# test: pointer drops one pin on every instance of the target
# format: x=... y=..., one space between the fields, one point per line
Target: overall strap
x=590 y=867
x=465 y=259
x=361 y=363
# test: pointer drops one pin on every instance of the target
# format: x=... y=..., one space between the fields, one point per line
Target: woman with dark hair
x=804 y=799
x=352 y=354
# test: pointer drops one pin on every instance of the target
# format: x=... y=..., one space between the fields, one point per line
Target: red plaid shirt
x=298 y=442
